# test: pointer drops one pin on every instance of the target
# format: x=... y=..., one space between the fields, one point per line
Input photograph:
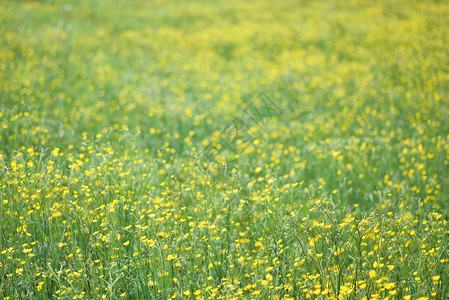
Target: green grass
x=234 y=150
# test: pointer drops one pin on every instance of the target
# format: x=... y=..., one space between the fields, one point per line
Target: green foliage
x=241 y=149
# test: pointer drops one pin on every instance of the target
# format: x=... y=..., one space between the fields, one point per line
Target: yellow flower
x=172 y=257
x=436 y=278
x=55 y=152
x=126 y=243
x=187 y=293
x=372 y=273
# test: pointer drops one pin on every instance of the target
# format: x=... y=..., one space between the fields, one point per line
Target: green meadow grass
x=224 y=150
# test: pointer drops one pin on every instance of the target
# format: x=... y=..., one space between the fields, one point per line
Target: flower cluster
x=325 y=127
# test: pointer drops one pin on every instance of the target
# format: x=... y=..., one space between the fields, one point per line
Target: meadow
x=224 y=150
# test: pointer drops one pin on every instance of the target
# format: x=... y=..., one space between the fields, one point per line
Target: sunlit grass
x=235 y=150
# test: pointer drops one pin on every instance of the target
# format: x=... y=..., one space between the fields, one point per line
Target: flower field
x=224 y=150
